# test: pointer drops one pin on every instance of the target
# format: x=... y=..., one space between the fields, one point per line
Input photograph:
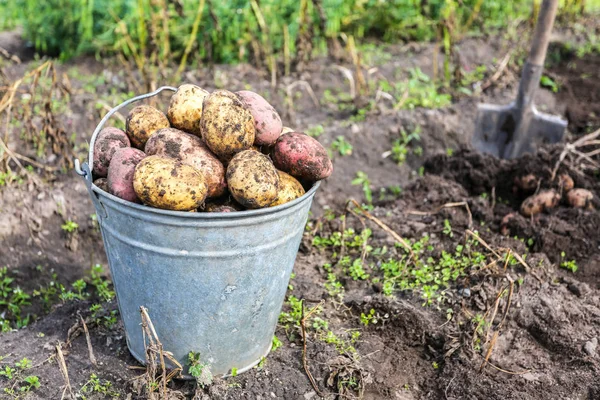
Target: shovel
x=512 y=130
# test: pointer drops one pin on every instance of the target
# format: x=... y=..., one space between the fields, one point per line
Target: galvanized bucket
x=213 y=283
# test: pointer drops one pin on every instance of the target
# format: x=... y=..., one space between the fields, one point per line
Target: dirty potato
x=526 y=183
x=120 y=173
x=302 y=157
x=219 y=208
x=289 y=189
x=191 y=150
x=185 y=108
x=566 y=182
x=580 y=198
x=252 y=179
x=102 y=184
x=542 y=201
x=107 y=142
x=227 y=126
x=266 y=119
x=222 y=203
x=169 y=184
x=142 y=122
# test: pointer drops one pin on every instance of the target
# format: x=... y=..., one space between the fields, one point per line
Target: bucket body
x=213 y=283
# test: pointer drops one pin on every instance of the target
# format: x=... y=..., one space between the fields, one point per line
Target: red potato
x=191 y=150
x=142 y=122
x=120 y=173
x=580 y=198
x=537 y=203
x=219 y=208
x=302 y=157
x=266 y=119
x=107 y=142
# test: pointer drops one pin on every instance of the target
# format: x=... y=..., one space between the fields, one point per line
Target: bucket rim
x=210 y=215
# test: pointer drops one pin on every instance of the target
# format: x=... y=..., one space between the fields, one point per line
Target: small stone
x=466 y=292
x=590 y=347
x=273 y=395
x=310 y=395
x=355 y=129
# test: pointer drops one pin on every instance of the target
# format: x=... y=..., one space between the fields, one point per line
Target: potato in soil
x=191 y=150
x=102 y=184
x=108 y=141
x=289 y=189
x=227 y=126
x=580 y=198
x=302 y=157
x=542 y=201
x=185 y=108
x=169 y=184
x=120 y=173
x=266 y=119
x=252 y=179
x=142 y=122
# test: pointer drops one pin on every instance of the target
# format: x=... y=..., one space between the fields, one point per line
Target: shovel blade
x=508 y=132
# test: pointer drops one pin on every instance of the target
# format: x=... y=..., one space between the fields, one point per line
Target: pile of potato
x=211 y=152
x=548 y=199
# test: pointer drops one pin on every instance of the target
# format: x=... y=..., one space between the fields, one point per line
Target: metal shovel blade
x=508 y=131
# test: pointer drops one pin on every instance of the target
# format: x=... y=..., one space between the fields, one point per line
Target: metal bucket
x=213 y=283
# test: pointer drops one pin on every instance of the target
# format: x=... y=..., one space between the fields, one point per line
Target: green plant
x=276 y=343
x=70 y=226
x=549 y=83
x=400 y=147
x=96 y=385
x=570 y=265
x=366 y=319
x=18 y=385
x=199 y=370
x=315 y=131
x=448 y=229
x=341 y=146
x=362 y=179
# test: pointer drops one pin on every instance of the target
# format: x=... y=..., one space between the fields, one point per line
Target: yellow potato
x=527 y=183
x=227 y=126
x=252 y=179
x=286 y=129
x=537 y=203
x=580 y=198
x=289 y=189
x=185 y=108
x=142 y=122
x=166 y=183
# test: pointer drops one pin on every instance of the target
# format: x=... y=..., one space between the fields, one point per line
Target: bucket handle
x=85 y=169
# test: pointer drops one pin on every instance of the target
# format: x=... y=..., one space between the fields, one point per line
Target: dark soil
x=540 y=345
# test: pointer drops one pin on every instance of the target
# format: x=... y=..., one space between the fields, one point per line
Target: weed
x=70 y=226
x=276 y=343
x=315 y=131
x=199 y=370
x=341 y=146
x=362 y=179
x=549 y=83
x=95 y=385
x=448 y=229
x=17 y=385
x=422 y=91
x=400 y=147
x=570 y=265
x=366 y=319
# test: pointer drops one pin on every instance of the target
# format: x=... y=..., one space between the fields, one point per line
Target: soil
x=542 y=338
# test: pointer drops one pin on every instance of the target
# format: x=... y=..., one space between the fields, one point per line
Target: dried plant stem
x=304 y=342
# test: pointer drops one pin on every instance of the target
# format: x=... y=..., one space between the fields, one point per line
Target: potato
x=289 y=189
x=166 y=183
x=566 y=182
x=107 y=142
x=142 y=122
x=120 y=173
x=504 y=229
x=252 y=179
x=266 y=119
x=580 y=198
x=227 y=126
x=527 y=183
x=223 y=202
x=191 y=150
x=185 y=108
x=102 y=184
x=219 y=208
x=302 y=157
x=537 y=203
x=286 y=129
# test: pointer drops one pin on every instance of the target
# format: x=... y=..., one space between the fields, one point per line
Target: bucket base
x=142 y=360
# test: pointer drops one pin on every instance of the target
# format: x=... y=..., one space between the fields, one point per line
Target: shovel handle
x=543 y=30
